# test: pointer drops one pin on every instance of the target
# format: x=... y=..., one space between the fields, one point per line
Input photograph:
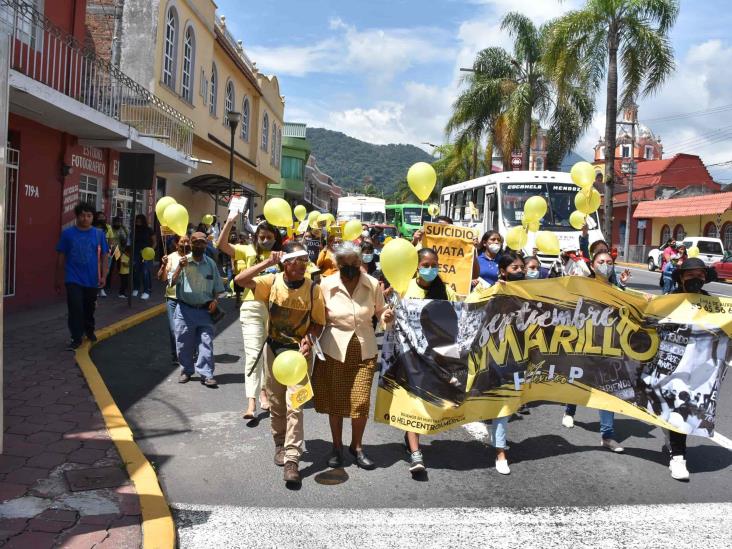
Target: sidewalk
x=62 y=482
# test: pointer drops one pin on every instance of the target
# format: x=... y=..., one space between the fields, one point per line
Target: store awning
x=218 y=186
x=708 y=204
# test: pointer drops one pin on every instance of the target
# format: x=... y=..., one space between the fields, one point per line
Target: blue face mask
x=428 y=274
x=367 y=258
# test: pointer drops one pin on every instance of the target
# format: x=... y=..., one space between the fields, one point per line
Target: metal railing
x=234 y=43
x=48 y=54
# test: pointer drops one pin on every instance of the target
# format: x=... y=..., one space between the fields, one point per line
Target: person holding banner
x=253 y=314
x=296 y=315
x=492 y=244
x=342 y=380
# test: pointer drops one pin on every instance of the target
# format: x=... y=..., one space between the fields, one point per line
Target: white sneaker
x=568 y=421
x=134 y=293
x=678 y=468
x=145 y=295
x=502 y=466
x=102 y=293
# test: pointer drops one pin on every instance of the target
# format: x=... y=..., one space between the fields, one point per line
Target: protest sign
x=455 y=249
x=238 y=204
x=568 y=340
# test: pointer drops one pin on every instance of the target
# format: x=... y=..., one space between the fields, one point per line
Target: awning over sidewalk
x=218 y=186
x=708 y=204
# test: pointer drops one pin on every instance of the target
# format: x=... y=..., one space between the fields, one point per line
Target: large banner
x=567 y=340
x=455 y=248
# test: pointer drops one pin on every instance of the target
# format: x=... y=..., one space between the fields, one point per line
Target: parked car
x=711 y=250
x=654 y=259
x=724 y=268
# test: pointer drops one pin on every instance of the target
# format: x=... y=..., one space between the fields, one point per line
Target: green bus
x=407 y=218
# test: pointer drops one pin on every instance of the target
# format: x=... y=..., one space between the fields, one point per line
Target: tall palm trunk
x=489 y=153
x=526 y=139
x=475 y=159
x=611 y=116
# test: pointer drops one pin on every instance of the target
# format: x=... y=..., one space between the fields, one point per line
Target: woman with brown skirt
x=342 y=382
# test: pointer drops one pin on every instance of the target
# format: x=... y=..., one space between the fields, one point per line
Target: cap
x=688 y=265
x=198 y=235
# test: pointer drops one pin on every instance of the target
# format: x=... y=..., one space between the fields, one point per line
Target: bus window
x=480 y=202
x=390 y=214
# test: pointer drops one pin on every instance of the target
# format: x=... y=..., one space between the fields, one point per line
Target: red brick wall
x=100 y=27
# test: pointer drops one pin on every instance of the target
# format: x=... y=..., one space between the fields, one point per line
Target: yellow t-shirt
x=289 y=308
x=170 y=267
x=415 y=291
x=124 y=264
x=327 y=263
x=245 y=256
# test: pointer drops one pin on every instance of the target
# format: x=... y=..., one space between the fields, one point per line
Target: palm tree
x=603 y=33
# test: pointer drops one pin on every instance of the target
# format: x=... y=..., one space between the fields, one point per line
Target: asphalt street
x=217 y=469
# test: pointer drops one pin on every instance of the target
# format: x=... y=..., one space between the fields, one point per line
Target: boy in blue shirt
x=82 y=263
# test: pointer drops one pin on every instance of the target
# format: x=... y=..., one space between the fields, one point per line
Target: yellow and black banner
x=455 y=248
x=568 y=340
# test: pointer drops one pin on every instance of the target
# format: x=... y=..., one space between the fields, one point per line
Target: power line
x=679 y=116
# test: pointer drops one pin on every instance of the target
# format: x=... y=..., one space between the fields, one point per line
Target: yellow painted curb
x=158 y=529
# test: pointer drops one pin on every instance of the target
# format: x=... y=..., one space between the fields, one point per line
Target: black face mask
x=513 y=277
x=349 y=271
x=294 y=284
x=693 y=285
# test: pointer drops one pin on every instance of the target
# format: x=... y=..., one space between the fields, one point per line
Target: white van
x=711 y=250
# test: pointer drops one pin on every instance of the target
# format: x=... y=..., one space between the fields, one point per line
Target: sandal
x=249 y=415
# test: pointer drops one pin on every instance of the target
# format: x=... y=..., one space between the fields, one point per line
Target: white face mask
x=365 y=234
x=603 y=270
x=494 y=248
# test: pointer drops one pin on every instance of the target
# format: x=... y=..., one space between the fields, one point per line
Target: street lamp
x=233 y=117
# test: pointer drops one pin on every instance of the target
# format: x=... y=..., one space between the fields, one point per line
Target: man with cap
x=197 y=285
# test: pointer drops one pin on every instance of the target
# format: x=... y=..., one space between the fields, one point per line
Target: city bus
x=367 y=209
x=498 y=204
x=407 y=218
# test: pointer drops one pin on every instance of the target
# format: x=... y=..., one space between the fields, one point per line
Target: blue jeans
x=170 y=306
x=607 y=420
x=194 y=330
x=142 y=275
x=500 y=429
x=668 y=285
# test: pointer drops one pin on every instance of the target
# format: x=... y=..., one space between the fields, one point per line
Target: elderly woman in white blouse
x=342 y=382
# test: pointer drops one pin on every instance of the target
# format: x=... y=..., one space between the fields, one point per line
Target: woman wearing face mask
x=168 y=265
x=534 y=270
x=427 y=285
x=342 y=382
x=603 y=268
x=491 y=243
x=368 y=261
x=253 y=314
x=326 y=260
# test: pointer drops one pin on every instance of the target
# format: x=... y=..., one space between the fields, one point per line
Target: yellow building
x=185 y=55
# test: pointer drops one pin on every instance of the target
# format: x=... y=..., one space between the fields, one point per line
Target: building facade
x=71 y=115
x=321 y=192
x=295 y=155
x=182 y=51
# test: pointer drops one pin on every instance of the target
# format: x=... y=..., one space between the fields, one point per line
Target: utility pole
x=633 y=108
x=4 y=109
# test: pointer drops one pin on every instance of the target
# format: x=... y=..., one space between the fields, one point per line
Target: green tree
x=606 y=36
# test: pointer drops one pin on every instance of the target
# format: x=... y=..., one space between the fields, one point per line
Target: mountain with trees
x=363 y=167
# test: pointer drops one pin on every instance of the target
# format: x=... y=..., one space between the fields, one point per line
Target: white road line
x=722 y=440
x=705 y=525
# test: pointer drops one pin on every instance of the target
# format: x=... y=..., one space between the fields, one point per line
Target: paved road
x=644 y=280
x=217 y=469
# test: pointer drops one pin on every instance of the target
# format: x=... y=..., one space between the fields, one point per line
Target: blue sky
x=386 y=71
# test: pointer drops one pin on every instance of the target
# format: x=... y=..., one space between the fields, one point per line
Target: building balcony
x=56 y=81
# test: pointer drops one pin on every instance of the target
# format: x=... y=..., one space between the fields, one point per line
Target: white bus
x=499 y=200
x=367 y=209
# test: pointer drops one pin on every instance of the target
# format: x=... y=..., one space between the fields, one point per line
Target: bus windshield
x=413 y=216
x=365 y=217
x=559 y=198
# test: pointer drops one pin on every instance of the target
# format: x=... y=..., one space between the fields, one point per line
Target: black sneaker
x=416 y=462
x=91 y=336
x=73 y=345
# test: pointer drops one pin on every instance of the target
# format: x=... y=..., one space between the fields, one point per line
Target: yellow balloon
x=587 y=205
x=324 y=219
x=300 y=212
x=176 y=218
x=535 y=208
x=433 y=210
x=352 y=229
x=207 y=219
x=147 y=253
x=289 y=368
x=278 y=212
x=577 y=219
x=531 y=226
x=313 y=219
x=693 y=252
x=421 y=178
x=387 y=240
x=516 y=238
x=547 y=242
x=399 y=263
x=160 y=206
x=331 y=218
x=583 y=174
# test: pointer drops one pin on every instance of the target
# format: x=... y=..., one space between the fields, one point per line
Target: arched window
x=212 y=93
x=710 y=230
x=265 y=132
x=189 y=61
x=170 y=47
x=279 y=146
x=665 y=234
x=230 y=101
x=679 y=232
x=273 y=156
x=727 y=236
x=245 y=119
